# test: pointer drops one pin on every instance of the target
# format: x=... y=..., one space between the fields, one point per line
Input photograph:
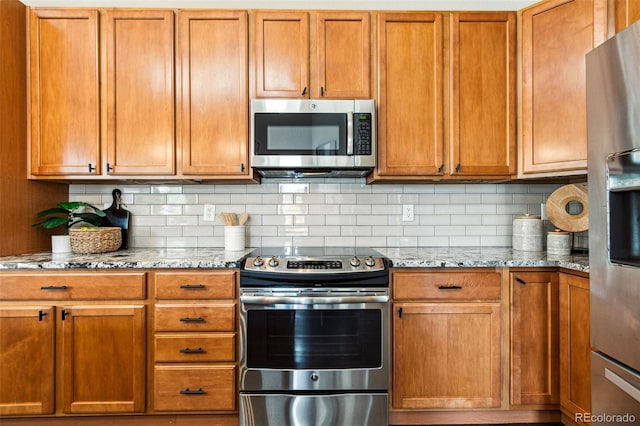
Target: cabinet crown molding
x=493 y=5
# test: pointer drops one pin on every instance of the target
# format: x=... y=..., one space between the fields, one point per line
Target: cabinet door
x=446 y=355
x=214 y=100
x=410 y=127
x=626 y=13
x=575 y=348
x=343 y=43
x=556 y=35
x=281 y=54
x=139 y=92
x=483 y=107
x=103 y=359
x=534 y=338
x=64 y=85
x=27 y=358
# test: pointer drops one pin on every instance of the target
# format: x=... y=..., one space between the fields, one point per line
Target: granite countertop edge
x=213 y=258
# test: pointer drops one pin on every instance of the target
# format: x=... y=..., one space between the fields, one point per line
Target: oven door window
x=300 y=134
x=314 y=339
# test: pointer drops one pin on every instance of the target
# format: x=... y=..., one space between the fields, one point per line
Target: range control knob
x=258 y=262
x=273 y=262
x=370 y=262
x=355 y=262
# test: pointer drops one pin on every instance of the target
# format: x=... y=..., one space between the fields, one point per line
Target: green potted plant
x=67 y=214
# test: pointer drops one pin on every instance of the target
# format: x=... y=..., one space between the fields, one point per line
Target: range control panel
x=353 y=264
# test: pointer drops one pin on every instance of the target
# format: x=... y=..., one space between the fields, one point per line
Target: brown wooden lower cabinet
x=469 y=345
x=446 y=355
x=575 y=348
x=89 y=355
x=446 y=339
x=27 y=354
x=534 y=338
x=195 y=341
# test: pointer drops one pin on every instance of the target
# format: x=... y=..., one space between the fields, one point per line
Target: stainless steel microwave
x=313 y=137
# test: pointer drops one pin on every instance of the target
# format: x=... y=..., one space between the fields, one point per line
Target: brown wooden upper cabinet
x=64 y=103
x=329 y=59
x=140 y=135
x=213 y=102
x=103 y=99
x=556 y=35
x=626 y=13
x=446 y=95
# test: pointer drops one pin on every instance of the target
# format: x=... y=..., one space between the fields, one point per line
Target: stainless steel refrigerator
x=613 y=112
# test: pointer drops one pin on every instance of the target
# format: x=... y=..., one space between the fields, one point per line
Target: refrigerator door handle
x=620 y=382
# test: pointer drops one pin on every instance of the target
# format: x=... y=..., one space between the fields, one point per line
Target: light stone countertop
x=475 y=257
x=147 y=258
x=203 y=258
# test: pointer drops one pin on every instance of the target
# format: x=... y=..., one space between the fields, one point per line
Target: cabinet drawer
x=195 y=388
x=196 y=317
x=195 y=285
x=446 y=285
x=73 y=286
x=196 y=347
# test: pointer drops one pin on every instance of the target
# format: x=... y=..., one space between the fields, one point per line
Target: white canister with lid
x=527 y=233
x=559 y=243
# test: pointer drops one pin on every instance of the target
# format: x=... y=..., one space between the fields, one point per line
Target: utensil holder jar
x=234 y=238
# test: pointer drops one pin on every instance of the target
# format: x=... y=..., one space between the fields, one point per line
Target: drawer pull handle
x=449 y=287
x=187 y=319
x=188 y=391
x=192 y=351
x=521 y=281
x=54 y=287
x=192 y=286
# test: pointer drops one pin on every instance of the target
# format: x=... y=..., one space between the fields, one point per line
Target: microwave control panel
x=362 y=133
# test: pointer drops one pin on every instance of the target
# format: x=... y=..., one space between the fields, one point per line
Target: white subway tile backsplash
x=326 y=212
x=166 y=189
x=296 y=188
x=166 y=209
x=182 y=220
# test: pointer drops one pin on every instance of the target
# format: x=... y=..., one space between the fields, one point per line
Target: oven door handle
x=311 y=300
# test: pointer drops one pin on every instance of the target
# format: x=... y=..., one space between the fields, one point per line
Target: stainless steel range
x=314 y=327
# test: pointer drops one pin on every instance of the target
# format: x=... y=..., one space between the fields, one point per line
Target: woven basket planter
x=95 y=240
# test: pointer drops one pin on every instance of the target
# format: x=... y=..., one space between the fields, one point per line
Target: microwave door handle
x=350 y=133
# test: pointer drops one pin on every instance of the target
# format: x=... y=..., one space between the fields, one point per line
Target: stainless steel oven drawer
x=345 y=409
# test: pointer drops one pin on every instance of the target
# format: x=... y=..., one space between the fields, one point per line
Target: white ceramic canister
x=559 y=243
x=527 y=233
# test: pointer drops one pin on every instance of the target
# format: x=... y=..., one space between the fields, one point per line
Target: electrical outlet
x=209 y=214
x=407 y=212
